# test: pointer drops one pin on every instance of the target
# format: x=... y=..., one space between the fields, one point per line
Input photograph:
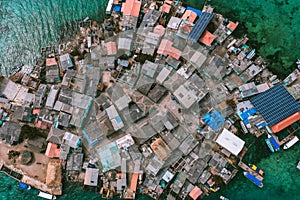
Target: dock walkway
x=251 y=171
x=11 y=173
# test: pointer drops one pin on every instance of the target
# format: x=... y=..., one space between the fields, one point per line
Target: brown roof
x=207 y=38
x=131 y=7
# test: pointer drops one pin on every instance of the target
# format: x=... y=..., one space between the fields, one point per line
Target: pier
x=11 y=173
x=284 y=140
x=251 y=171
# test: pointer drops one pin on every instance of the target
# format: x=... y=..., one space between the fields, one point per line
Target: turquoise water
x=26 y=26
x=271 y=25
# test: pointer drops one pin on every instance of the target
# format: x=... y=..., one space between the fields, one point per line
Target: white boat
x=223 y=198
x=46 y=195
x=298 y=166
x=291 y=142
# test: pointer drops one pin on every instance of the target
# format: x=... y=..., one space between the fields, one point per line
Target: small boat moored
x=256 y=169
x=223 y=198
x=291 y=142
x=24 y=186
x=269 y=145
x=46 y=195
x=298 y=166
x=253 y=179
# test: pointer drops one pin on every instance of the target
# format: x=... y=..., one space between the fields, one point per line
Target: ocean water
x=28 y=25
x=272 y=26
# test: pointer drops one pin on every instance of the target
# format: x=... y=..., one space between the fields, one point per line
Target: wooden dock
x=11 y=173
x=284 y=140
x=251 y=171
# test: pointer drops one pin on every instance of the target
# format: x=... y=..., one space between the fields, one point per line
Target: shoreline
x=85 y=52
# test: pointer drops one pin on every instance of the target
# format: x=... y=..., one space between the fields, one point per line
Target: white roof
x=230 y=142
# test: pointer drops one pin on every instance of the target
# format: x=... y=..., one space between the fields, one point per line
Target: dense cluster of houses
x=145 y=102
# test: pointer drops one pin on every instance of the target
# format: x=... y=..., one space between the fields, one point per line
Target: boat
x=298 y=63
x=46 y=195
x=251 y=54
x=298 y=166
x=24 y=186
x=253 y=179
x=269 y=145
x=244 y=128
x=223 y=198
x=291 y=143
x=256 y=169
x=274 y=143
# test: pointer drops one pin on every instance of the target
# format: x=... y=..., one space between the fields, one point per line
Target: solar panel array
x=275 y=104
x=200 y=26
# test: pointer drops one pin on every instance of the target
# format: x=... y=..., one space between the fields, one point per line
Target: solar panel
x=275 y=104
x=200 y=26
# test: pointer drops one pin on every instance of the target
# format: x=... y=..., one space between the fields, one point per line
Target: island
x=154 y=100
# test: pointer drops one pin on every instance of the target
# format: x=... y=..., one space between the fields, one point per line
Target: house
x=165 y=48
x=195 y=193
x=66 y=62
x=174 y=23
x=286 y=111
x=207 y=38
x=8 y=88
x=114 y=117
x=40 y=96
x=230 y=142
x=71 y=140
x=111 y=48
x=189 y=15
x=52 y=74
x=160 y=149
x=52 y=96
x=10 y=132
x=52 y=151
x=130 y=10
x=74 y=162
x=91 y=177
x=109 y=156
x=55 y=136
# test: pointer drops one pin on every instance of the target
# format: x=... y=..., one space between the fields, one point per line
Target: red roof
x=286 y=122
x=166 y=48
x=131 y=7
x=195 y=193
x=159 y=30
x=134 y=181
x=111 y=48
x=52 y=150
x=50 y=61
x=189 y=15
x=166 y=8
x=207 y=38
x=232 y=26
x=36 y=111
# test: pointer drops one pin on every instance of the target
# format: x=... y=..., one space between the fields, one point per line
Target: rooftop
x=286 y=105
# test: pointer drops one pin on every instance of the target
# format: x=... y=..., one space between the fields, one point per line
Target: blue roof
x=214 y=120
x=117 y=8
x=275 y=104
x=200 y=26
x=195 y=10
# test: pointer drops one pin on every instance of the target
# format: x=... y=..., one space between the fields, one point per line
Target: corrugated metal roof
x=276 y=104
